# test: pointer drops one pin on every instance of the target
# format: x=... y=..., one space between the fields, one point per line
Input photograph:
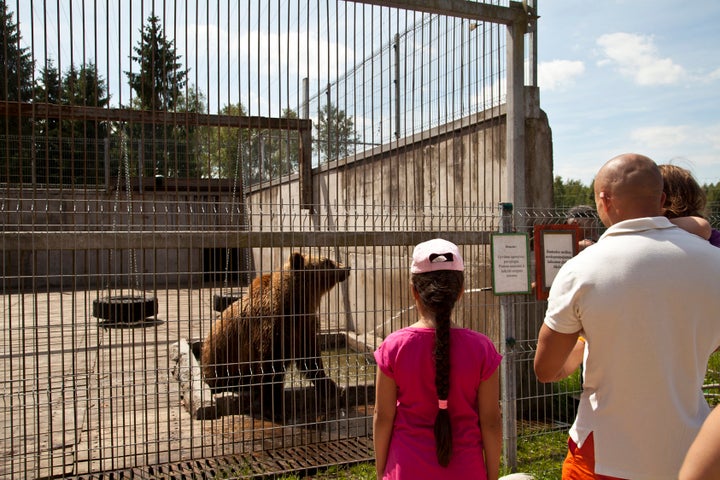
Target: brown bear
x=273 y=325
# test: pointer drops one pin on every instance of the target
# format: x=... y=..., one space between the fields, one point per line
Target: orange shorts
x=580 y=462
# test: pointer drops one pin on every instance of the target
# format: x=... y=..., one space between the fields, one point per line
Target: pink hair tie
x=442 y=404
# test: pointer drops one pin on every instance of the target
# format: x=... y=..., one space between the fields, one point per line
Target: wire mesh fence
x=104 y=371
x=163 y=159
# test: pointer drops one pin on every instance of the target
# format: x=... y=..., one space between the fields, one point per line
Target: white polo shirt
x=647 y=297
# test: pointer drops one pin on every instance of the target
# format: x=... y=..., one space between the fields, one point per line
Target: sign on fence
x=554 y=245
x=510 y=263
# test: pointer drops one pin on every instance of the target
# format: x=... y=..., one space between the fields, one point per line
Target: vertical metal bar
x=396 y=46
x=106 y=143
x=305 y=169
x=515 y=53
x=305 y=160
x=507 y=367
x=329 y=121
x=462 y=67
x=140 y=167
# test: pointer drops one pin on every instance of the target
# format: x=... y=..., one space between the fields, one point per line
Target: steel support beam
x=480 y=12
x=97 y=240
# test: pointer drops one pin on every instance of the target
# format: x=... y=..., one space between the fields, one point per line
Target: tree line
x=568 y=193
x=73 y=152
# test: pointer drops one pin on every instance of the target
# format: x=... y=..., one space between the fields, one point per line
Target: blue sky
x=631 y=75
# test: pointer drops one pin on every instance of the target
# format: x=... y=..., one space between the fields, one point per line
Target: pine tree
x=16 y=70
x=70 y=152
x=159 y=85
x=161 y=80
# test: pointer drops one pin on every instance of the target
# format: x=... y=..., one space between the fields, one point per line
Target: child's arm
x=383 y=419
x=491 y=423
x=697 y=225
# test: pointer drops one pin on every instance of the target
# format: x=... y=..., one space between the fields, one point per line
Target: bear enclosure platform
x=123 y=410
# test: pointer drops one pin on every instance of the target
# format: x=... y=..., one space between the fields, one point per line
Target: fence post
x=507 y=367
x=106 y=156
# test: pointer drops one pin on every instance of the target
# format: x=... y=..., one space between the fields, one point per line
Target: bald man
x=646 y=301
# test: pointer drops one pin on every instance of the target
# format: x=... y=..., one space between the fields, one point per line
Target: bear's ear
x=297 y=261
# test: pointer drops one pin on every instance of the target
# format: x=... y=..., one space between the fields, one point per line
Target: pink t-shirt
x=406 y=356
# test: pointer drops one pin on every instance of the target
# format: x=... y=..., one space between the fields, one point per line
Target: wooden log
x=194 y=392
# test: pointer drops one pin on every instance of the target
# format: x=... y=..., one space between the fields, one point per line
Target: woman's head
x=684 y=197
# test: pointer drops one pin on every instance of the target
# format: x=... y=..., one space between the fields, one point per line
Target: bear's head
x=319 y=273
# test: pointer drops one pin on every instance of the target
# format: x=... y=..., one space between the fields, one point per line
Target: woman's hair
x=438 y=292
x=684 y=197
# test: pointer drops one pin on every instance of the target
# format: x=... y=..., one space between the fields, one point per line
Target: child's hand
x=697 y=225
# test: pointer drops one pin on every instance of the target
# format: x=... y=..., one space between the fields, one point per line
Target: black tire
x=221 y=302
x=125 y=308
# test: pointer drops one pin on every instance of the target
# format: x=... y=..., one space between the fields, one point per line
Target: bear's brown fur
x=274 y=324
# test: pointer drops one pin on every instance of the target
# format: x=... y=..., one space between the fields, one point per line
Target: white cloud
x=661 y=136
x=558 y=74
x=712 y=134
x=636 y=56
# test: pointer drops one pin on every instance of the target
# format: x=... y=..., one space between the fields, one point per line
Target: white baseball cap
x=436 y=254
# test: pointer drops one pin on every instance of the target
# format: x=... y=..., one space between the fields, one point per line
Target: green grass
x=361 y=471
x=712 y=378
x=540 y=454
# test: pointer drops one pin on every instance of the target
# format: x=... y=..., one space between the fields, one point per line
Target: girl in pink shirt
x=437 y=411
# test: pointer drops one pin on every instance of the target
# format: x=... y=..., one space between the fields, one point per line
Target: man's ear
x=604 y=199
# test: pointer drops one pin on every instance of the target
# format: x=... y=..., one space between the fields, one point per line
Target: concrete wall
x=101 y=219
x=447 y=180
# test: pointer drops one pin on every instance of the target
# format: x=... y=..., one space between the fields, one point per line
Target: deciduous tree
x=569 y=193
x=336 y=137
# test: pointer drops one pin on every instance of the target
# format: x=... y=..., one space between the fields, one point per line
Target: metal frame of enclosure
x=160 y=155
